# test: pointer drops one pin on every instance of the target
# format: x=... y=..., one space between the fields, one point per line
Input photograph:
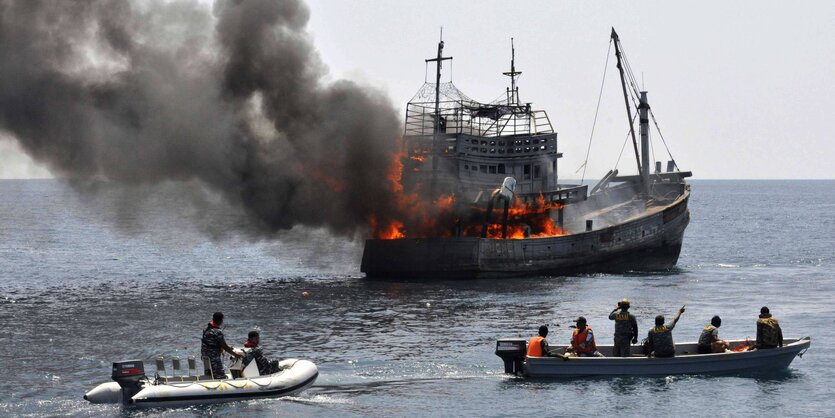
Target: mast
x=513 y=92
x=616 y=40
x=436 y=146
x=643 y=110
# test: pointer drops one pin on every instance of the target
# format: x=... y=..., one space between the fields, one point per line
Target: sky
x=741 y=90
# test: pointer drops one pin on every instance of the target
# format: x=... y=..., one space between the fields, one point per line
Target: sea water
x=87 y=278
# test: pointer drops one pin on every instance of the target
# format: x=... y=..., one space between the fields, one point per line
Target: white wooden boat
x=686 y=360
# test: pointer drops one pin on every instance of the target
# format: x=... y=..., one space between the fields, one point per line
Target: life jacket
x=580 y=338
x=535 y=346
x=770 y=333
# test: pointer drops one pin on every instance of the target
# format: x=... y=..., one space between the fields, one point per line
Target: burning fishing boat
x=457 y=151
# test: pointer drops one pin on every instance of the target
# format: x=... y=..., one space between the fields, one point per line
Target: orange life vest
x=535 y=346
x=580 y=338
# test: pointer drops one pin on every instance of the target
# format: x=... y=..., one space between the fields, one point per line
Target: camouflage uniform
x=264 y=366
x=211 y=346
x=661 y=339
x=769 y=333
x=626 y=330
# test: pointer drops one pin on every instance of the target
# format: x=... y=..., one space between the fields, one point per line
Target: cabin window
x=537 y=171
x=527 y=142
x=483 y=142
x=501 y=150
x=492 y=143
x=527 y=149
x=482 y=168
x=492 y=169
x=484 y=150
x=542 y=148
x=535 y=141
x=518 y=149
x=475 y=141
x=527 y=172
x=466 y=166
x=501 y=168
x=492 y=150
x=474 y=168
x=501 y=143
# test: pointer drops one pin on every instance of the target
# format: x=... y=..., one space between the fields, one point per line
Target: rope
x=652 y=115
x=625 y=140
x=596 y=111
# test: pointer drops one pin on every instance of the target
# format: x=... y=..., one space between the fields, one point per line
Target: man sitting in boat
x=582 y=341
x=252 y=351
x=212 y=345
x=626 y=329
x=538 y=346
x=709 y=341
x=769 y=334
x=660 y=338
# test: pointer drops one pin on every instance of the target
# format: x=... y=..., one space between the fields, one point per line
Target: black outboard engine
x=129 y=374
x=513 y=352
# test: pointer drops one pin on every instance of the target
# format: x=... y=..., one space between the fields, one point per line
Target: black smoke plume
x=231 y=96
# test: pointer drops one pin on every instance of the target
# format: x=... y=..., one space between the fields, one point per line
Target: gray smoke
x=232 y=97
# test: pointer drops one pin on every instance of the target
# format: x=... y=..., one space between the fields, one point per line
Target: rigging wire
x=596 y=111
x=663 y=141
x=625 y=140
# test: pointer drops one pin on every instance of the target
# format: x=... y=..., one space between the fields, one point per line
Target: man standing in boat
x=626 y=329
x=211 y=347
x=660 y=338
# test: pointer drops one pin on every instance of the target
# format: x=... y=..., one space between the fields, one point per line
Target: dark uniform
x=626 y=330
x=211 y=347
x=264 y=366
x=661 y=340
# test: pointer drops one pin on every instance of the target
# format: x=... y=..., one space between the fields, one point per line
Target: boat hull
x=651 y=242
x=756 y=361
x=295 y=376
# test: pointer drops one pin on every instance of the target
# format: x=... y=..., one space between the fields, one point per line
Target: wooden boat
x=686 y=361
x=457 y=150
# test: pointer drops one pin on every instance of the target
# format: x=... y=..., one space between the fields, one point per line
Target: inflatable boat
x=132 y=387
x=739 y=359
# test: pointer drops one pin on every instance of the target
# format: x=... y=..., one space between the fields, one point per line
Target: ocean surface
x=90 y=277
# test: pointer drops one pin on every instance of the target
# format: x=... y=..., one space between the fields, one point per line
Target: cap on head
x=659 y=320
x=253 y=334
x=764 y=310
x=716 y=321
x=624 y=303
x=581 y=320
x=543 y=331
x=217 y=318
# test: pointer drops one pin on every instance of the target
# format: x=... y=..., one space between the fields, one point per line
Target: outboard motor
x=513 y=352
x=129 y=374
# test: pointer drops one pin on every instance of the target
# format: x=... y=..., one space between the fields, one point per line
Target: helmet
x=623 y=302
